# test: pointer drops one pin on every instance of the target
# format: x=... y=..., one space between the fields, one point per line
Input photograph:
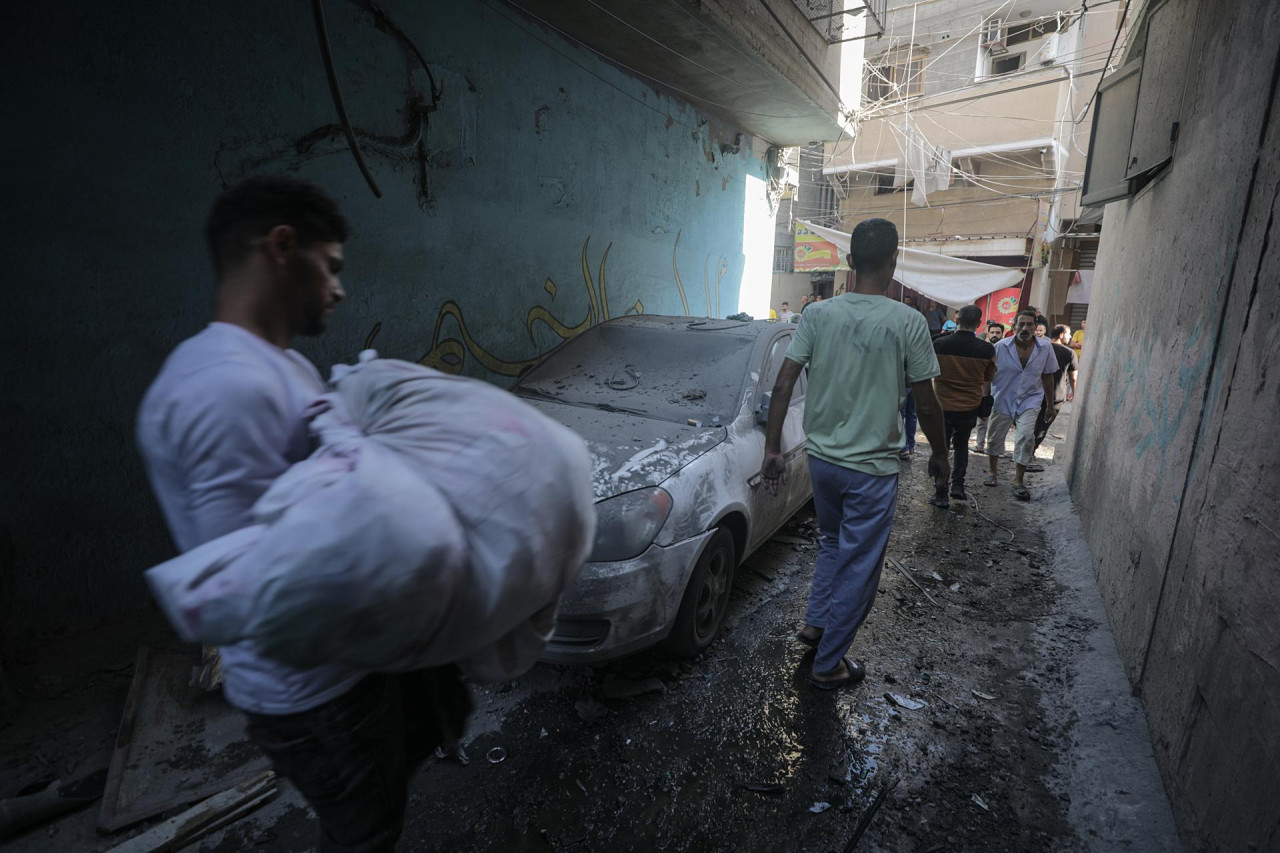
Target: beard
x=306 y=297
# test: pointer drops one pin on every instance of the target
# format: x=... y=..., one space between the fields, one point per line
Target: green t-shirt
x=862 y=351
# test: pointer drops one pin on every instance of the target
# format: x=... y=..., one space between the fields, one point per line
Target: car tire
x=706 y=598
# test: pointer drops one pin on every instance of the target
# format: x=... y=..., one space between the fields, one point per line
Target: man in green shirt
x=863 y=351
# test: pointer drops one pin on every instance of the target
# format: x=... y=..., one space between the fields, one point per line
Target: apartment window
x=896 y=74
x=884 y=184
x=1007 y=64
x=1030 y=31
x=784 y=259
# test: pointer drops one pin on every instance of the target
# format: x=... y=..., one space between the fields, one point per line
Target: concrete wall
x=550 y=190
x=1173 y=456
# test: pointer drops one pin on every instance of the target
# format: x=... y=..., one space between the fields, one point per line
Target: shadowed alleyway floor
x=996 y=717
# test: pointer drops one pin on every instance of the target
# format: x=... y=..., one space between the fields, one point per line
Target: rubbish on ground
x=177 y=744
x=624 y=688
x=58 y=797
x=763 y=787
x=455 y=751
x=819 y=808
x=580 y=785
x=980 y=695
x=900 y=568
x=497 y=755
x=590 y=710
x=954 y=587
x=865 y=820
x=543 y=733
x=209 y=816
x=904 y=702
x=979 y=803
x=936 y=576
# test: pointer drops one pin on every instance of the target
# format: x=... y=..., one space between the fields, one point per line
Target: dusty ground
x=1027 y=738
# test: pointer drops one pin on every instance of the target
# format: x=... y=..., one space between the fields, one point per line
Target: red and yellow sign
x=816 y=254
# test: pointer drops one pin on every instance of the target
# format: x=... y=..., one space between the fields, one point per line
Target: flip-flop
x=1021 y=493
x=856 y=674
x=811 y=642
x=990 y=481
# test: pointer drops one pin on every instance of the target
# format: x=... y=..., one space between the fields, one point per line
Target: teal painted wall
x=549 y=190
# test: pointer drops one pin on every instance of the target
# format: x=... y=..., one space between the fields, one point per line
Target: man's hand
x=773 y=472
x=1071 y=395
x=939 y=469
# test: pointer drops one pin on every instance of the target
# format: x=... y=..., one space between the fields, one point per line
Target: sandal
x=990 y=481
x=1021 y=493
x=855 y=674
x=811 y=642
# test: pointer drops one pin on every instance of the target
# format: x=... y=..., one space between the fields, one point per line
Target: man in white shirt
x=786 y=315
x=1025 y=366
x=219 y=424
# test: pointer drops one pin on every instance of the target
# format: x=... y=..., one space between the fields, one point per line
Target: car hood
x=630 y=452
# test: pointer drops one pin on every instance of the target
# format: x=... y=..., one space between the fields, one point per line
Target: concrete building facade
x=1000 y=92
x=1172 y=456
x=531 y=186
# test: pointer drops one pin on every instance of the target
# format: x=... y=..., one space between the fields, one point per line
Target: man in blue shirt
x=1025 y=366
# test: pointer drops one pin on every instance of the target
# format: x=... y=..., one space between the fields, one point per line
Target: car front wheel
x=706 y=598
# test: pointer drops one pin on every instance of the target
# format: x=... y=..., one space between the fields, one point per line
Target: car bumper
x=614 y=609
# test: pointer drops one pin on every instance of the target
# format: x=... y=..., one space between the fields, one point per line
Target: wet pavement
x=1015 y=729
x=995 y=717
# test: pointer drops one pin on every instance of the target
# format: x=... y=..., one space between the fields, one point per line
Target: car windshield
x=673 y=374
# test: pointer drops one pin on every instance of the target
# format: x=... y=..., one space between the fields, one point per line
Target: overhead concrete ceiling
x=735 y=59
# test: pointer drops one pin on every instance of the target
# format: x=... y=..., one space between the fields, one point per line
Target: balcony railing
x=838 y=20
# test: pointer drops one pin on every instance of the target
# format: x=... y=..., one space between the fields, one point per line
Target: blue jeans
x=855 y=515
x=909 y=422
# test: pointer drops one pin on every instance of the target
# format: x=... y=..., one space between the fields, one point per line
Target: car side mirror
x=762 y=413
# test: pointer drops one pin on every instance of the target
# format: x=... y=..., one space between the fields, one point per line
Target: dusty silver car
x=672 y=409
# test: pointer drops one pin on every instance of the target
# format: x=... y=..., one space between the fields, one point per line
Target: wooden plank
x=198 y=820
x=177 y=745
x=124 y=737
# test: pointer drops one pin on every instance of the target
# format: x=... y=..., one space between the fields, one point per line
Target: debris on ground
x=590 y=711
x=213 y=814
x=980 y=695
x=819 y=808
x=177 y=743
x=904 y=702
x=979 y=803
x=622 y=688
x=49 y=801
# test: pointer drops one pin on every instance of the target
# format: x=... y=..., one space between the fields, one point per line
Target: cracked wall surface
x=1173 y=457
x=501 y=205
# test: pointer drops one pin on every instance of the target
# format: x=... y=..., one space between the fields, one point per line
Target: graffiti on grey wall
x=449 y=349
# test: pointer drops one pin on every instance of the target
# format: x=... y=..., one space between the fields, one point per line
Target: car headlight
x=627 y=524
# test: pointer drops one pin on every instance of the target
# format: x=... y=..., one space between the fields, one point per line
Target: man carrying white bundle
x=222 y=421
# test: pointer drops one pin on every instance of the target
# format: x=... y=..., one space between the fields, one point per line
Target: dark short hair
x=1026 y=312
x=969 y=316
x=253 y=207
x=872 y=244
x=1058 y=331
x=785 y=302
x=999 y=326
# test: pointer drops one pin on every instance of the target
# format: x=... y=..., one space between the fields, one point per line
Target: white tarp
x=1082 y=288
x=954 y=282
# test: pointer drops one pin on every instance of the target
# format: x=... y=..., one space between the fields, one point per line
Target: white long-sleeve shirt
x=219 y=424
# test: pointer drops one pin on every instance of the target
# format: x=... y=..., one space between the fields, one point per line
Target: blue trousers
x=855 y=515
x=909 y=422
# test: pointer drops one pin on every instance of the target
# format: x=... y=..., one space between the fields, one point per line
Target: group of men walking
x=868 y=356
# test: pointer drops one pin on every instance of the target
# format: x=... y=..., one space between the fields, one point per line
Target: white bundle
x=439 y=521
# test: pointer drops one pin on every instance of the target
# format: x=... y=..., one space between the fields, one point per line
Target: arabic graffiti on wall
x=449 y=349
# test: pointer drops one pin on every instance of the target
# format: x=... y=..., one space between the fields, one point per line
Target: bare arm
x=774 y=468
x=1046 y=379
x=929 y=412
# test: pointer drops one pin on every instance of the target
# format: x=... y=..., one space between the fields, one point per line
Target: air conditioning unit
x=993 y=37
x=1048 y=53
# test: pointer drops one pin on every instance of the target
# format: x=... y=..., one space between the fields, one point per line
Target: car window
x=773 y=364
